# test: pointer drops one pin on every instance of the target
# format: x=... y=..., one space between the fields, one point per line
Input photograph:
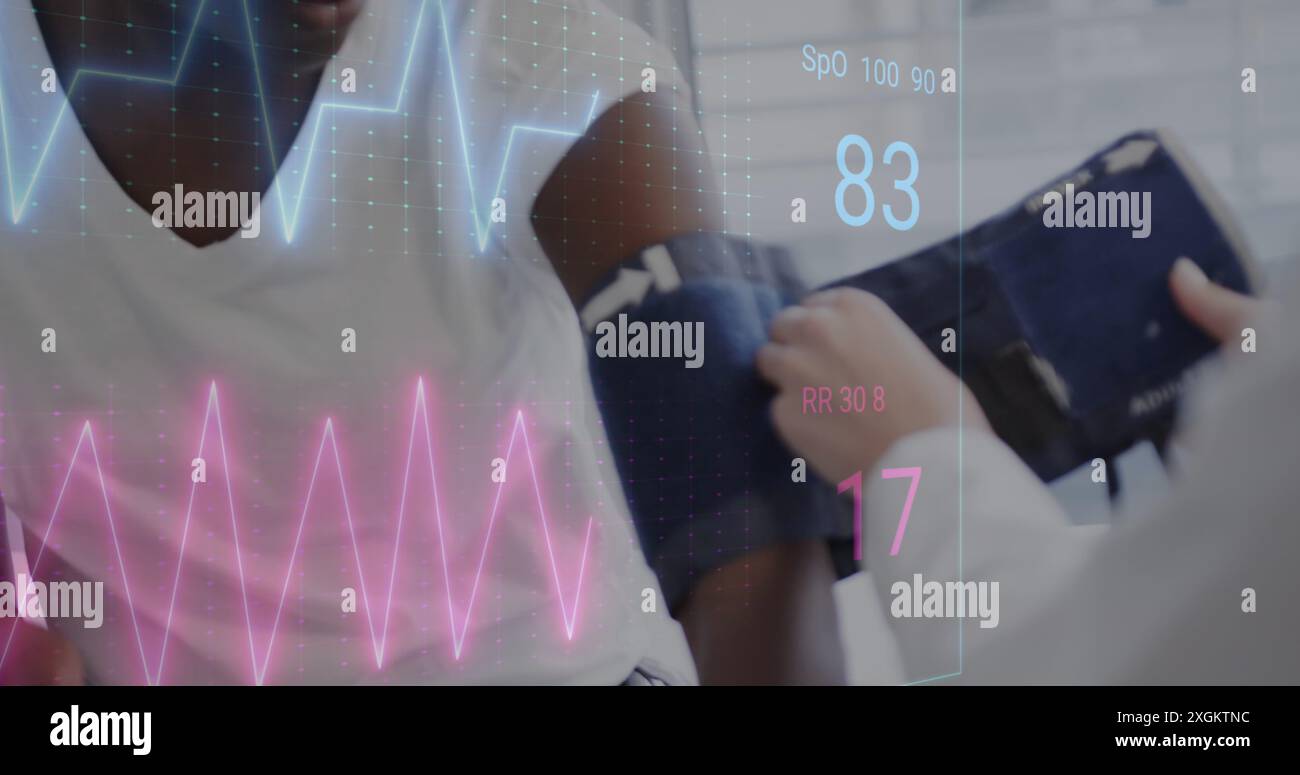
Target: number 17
x=855 y=483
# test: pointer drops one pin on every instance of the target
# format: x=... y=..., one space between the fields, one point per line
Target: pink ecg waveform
x=378 y=637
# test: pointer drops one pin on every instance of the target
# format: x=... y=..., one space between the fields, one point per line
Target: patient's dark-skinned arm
x=767 y=618
x=637 y=178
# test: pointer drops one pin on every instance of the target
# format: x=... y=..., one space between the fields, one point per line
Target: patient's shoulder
x=554 y=45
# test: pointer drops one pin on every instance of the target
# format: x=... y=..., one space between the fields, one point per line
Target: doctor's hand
x=1219 y=312
x=845 y=338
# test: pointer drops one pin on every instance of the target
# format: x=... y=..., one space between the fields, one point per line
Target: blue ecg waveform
x=289 y=212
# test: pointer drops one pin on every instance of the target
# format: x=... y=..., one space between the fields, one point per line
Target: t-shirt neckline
x=30 y=46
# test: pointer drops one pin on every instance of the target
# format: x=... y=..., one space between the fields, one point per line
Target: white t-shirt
x=235 y=354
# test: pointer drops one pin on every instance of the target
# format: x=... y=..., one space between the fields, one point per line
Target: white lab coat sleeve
x=1159 y=598
x=979 y=515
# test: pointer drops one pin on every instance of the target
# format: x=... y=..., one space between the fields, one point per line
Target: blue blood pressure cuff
x=1068 y=338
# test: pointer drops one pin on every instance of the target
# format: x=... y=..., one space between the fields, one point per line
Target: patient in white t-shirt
x=365 y=301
